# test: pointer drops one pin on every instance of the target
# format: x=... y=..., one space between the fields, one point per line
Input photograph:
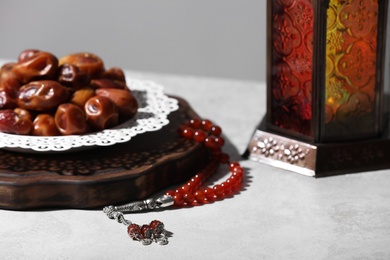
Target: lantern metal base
x=318 y=159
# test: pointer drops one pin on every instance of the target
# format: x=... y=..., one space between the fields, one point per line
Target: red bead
x=189 y=198
x=239 y=174
x=191 y=186
x=219 y=141
x=201 y=176
x=239 y=171
x=199 y=136
x=146 y=231
x=207 y=125
x=185 y=189
x=187 y=133
x=157 y=226
x=216 y=130
x=194 y=183
x=134 y=231
x=232 y=165
x=195 y=123
x=218 y=190
x=236 y=181
x=210 y=142
x=199 y=196
x=209 y=193
x=178 y=199
x=227 y=186
x=170 y=193
x=179 y=191
x=181 y=129
x=198 y=178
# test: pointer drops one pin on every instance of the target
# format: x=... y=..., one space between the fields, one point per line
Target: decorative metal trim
x=283 y=152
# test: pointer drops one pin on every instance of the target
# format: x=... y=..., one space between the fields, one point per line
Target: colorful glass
x=292 y=62
x=351 y=58
x=346 y=104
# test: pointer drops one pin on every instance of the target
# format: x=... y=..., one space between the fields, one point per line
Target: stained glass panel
x=291 y=68
x=350 y=83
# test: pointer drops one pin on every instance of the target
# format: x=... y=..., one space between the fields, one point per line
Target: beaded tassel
x=190 y=193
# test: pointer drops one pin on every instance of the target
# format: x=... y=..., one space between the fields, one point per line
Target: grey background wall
x=213 y=38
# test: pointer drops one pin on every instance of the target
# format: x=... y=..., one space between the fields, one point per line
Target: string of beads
x=189 y=194
x=192 y=193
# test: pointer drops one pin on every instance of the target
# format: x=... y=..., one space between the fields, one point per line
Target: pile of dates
x=42 y=95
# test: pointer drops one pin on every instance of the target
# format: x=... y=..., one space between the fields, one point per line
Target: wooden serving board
x=102 y=176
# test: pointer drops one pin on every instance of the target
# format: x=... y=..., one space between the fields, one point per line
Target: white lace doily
x=154 y=108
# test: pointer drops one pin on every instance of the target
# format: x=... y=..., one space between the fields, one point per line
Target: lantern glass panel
x=291 y=66
x=351 y=66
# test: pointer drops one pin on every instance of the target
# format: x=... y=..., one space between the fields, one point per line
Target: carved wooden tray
x=101 y=176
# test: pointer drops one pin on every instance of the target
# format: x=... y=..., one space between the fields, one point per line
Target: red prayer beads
x=191 y=193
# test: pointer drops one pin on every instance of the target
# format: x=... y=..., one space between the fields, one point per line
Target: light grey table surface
x=278 y=214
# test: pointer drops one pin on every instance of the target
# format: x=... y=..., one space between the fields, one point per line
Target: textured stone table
x=278 y=214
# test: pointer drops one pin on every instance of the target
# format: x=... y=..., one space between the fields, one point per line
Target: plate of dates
x=74 y=103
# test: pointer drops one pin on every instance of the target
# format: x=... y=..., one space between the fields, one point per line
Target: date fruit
x=72 y=77
x=81 y=96
x=6 y=72
x=23 y=114
x=70 y=119
x=88 y=63
x=101 y=113
x=124 y=100
x=35 y=65
x=13 y=123
x=27 y=55
x=114 y=73
x=9 y=89
x=42 y=95
x=107 y=83
x=44 y=125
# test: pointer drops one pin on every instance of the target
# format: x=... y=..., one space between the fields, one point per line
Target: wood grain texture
x=101 y=176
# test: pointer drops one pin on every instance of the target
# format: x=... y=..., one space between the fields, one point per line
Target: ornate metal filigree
x=271 y=147
x=283 y=152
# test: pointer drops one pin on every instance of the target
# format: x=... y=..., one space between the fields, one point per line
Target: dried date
x=45 y=96
x=9 y=89
x=23 y=114
x=7 y=73
x=124 y=100
x=11 y=122
x=42 y=95
x=71 y=76
x=35 y=65
x=86 y=62
x=108 y=83
x=101 y=113
x=114 y=73
x=44 y=125
x=27 y=55
x=70 y=120
x=81 y=96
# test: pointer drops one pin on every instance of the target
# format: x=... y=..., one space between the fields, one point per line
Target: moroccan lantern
x=327 y=87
